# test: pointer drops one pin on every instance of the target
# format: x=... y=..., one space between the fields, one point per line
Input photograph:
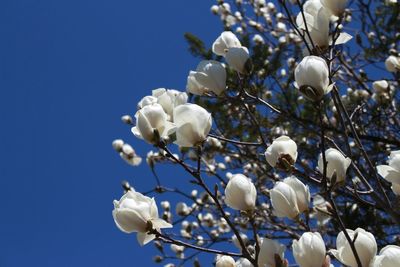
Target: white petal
x=144 y=238
x=160 y=223
x=129 y=221
x=343 y=38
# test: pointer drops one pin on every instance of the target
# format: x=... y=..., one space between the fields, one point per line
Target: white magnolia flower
x=169 y=99
x=237 y=58
x=290 y=198
x=336 y=164
x=336 y=7
x=312 y=77
x=134 y=212
x=309 y=250
x=236 y=55
x=365 y=245
x=210 y=76
x=389 y=256
x=243 y=262
x=317 y=14
x=225 y=261
x=147 y=100
x=391 y=172
x=224 y=42
x=282 y=148
x=151 y=123
x=193 y=123
x=240 y=193
x=392 y=64
x=317 y=19
x=268 y=249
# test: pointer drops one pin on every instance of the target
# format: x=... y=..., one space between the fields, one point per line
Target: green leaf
x=196 y=47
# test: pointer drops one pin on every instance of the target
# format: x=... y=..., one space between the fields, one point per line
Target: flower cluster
x=287 y=164
x=165 y=113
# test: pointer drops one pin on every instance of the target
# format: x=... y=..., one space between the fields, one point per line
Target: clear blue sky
x=68 y=70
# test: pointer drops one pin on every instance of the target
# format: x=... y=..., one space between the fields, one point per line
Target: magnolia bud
x=258 y=39
x=127 y=119
x=158 y=259
x=380 y=86
x=129 y=155
x=117 y=144
x=214 y=9
x=177 y=249
x=337 y=164
x=240 y=193
x=225 y=261
x=165 y=205
x=290 y=197
x=382 y=91
x=182 y=209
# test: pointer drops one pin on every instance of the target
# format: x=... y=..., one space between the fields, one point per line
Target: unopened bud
x=127 y=119
x=118 y=144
